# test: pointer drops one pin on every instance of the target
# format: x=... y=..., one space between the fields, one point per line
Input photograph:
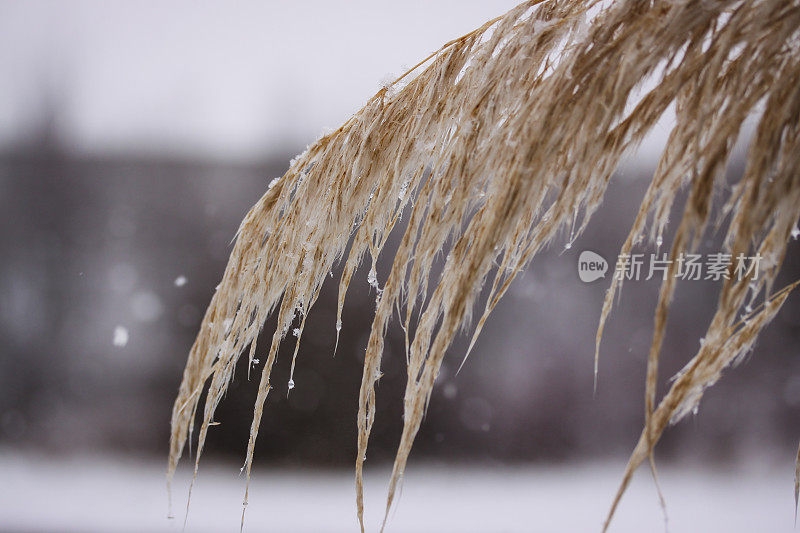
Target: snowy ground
x=106 y=495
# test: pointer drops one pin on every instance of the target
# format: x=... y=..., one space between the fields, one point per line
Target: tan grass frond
x=796 y=483
x=494 y=145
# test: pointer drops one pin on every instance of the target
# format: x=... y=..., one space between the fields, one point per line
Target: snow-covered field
x=108 y=495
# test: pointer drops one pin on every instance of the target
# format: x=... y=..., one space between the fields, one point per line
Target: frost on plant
x=493 y=146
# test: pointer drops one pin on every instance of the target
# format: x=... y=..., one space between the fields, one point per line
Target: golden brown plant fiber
x=493 y=146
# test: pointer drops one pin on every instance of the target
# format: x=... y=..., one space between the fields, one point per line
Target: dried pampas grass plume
x=495 y=144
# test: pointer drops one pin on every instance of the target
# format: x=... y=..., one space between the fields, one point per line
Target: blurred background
x=134 y=136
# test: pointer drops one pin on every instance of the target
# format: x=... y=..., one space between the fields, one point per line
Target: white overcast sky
x=209 y=79
x=236 y=80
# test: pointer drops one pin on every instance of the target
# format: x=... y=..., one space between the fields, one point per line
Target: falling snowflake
x=120 y=336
